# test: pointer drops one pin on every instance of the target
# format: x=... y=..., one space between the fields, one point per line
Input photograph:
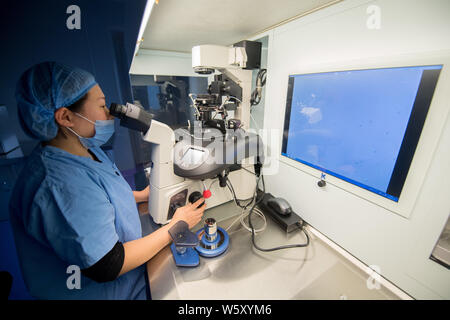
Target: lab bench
x=242 y=272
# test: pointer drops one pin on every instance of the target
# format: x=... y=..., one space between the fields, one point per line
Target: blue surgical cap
x=42 y=90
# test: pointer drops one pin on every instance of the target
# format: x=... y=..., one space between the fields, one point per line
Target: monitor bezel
x=426 y=146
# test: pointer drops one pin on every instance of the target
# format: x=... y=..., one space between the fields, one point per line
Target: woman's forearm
x=140 y=196
x=139 y=251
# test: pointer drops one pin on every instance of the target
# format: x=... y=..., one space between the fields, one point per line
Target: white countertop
x=242 y=272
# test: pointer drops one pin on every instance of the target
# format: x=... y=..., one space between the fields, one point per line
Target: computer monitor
x=360 y=126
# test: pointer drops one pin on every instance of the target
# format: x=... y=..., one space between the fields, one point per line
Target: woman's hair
x=42 y=90
x=78 y=105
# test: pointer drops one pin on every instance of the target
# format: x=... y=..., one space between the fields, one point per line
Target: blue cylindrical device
x=213 y=240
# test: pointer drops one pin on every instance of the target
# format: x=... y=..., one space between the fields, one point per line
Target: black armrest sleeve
x=108 y=267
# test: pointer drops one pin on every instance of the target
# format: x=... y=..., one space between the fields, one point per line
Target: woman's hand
x=142 y=196
x=189 y=213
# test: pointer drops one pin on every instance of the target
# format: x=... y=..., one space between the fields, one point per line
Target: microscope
x=216 y=152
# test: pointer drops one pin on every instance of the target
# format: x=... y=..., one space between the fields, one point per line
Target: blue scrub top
x=71 y=210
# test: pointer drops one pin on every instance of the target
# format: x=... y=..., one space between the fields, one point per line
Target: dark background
x=36 y=31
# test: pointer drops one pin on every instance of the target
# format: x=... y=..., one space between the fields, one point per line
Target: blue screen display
x=352 y=124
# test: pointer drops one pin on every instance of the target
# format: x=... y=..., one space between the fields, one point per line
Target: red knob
x=206 y=194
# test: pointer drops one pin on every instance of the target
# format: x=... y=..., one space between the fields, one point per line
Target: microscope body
x=174 y=176
x=212 y=154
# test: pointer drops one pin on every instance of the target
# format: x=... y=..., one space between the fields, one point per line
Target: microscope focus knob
x=194 y=196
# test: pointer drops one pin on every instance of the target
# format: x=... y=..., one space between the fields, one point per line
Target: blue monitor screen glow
x=361 y=126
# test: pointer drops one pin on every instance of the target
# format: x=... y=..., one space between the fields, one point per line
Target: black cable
x=254 y=198
x=260 y=82
x=238 y=201
x=253 y=229
x=249 y=171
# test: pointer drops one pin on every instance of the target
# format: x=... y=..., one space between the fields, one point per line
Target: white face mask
x=104 y=129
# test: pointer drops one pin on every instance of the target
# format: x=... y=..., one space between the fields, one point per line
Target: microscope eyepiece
x=131 y=116
x=118 y=110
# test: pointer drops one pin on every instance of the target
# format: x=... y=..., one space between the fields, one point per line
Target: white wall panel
x=337 y=35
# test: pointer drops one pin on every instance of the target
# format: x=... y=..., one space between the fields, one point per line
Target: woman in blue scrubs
x=74 y=217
